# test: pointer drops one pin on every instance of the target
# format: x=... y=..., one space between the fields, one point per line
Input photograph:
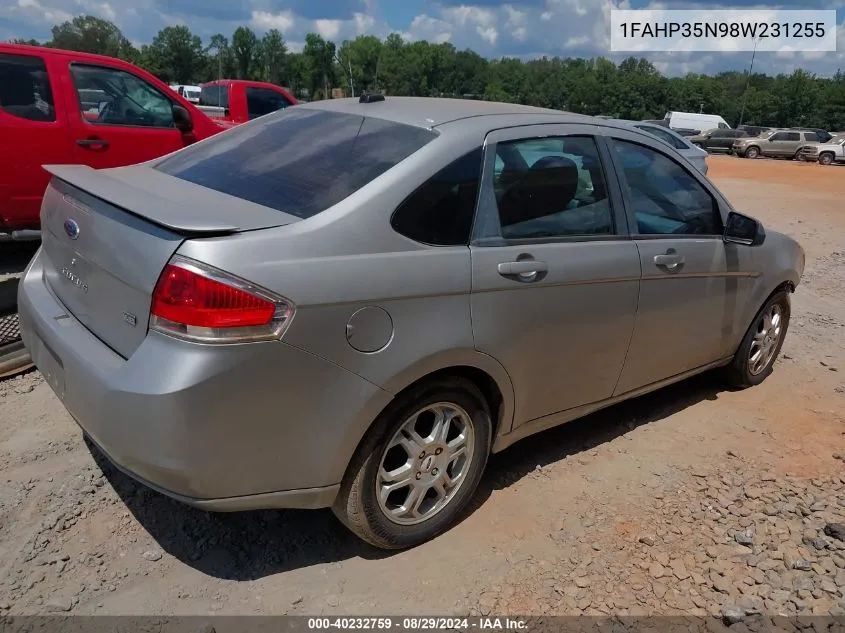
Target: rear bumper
x=307 y=499
x=235 y=427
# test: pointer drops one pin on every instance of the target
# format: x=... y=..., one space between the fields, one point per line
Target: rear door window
x=25 y=88
x=300 y=161
x=261 y=101
x=551 y=188
x=217 y=96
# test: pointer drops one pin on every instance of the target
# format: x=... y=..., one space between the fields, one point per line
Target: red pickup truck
x=235 y=101
x=65 y=107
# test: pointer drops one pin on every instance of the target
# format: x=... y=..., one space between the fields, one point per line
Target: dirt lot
x=690 y=500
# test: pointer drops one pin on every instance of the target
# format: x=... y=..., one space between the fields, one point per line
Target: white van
x=191 y=93
x=695 y=121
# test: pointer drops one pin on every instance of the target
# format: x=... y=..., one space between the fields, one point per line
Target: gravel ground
x=689 y=501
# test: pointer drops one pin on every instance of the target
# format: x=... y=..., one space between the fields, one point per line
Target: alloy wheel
x=425 y=463
x=765 y=343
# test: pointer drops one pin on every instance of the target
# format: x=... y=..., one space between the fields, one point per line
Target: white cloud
x=103 y=9
x=32 y=11
x=328 y=28
x=516 y=23
x=264 y=20
x=488 y=34
x=424 y=27
x=515 y=17
x=364 y=23
x=463 y=14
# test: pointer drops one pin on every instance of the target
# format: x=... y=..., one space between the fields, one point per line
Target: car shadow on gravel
x=252 y=545
x=590 y=432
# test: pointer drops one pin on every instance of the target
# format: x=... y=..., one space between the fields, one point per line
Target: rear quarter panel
x=348 y=258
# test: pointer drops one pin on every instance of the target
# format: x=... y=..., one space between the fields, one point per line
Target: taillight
x=197 y=302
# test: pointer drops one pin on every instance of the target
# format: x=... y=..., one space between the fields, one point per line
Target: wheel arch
x=759 y=299
x=484 y=371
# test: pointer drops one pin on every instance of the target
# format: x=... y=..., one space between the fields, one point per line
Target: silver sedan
x=694 y=154
x=352 y=303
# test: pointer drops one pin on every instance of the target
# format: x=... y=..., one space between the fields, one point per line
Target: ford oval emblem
x=71 y=228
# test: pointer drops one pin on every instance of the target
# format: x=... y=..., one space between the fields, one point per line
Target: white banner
x=722 y=30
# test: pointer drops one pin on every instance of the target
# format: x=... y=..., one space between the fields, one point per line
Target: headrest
x=546 y=188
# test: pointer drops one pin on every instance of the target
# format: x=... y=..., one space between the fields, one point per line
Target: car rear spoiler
x=169 y=202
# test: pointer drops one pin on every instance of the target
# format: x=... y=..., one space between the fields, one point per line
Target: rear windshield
x=217 y=96
x=300 y=161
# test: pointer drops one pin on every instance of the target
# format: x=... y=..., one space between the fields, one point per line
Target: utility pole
x=349 y=62
x=378 y=62
x=747 y=83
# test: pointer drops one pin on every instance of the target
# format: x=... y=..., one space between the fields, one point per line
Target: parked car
x=824 y=135
x=695 y=121
x=779 y=144
x=718 y=140
x=551 y=249
x=65 y=107
x=684 y=147
x=754 y=130
x=237 y=100
x=191 y=93
x=825 y=153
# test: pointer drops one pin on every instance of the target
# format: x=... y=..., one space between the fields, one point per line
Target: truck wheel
x=825 y=158
x=752 y=152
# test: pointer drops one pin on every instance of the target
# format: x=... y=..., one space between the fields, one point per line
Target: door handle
x=670 y=260
x=526 y=268
x=93 y=142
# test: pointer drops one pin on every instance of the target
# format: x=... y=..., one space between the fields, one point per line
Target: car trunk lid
x=108 y=234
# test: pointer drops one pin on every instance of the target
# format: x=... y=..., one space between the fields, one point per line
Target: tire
x=739 y=372
x=825 y=158
x=752 y=152
x=798 y=156
x=357 y=505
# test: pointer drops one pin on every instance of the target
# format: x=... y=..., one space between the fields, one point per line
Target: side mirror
x=741 y=229
x=182 y=119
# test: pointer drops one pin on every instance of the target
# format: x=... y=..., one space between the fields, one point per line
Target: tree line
x=632 y=89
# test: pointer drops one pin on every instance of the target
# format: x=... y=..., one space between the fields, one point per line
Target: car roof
x=28 y=49
x=430 y=112
x=230 y=82
x=632 y=123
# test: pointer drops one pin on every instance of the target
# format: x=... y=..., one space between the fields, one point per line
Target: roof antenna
x=368 y=97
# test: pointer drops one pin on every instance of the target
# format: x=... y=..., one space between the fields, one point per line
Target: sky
x=493 y=28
